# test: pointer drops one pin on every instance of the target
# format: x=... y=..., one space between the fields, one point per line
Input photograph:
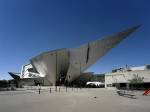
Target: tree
x=136 y=80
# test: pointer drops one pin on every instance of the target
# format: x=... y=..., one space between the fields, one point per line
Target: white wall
x=124 y=77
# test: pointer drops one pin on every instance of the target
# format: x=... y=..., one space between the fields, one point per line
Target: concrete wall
x=124 y=77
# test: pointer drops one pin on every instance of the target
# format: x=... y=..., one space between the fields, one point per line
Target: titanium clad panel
x=45 y=64
x=52 y=64
x=83 y=57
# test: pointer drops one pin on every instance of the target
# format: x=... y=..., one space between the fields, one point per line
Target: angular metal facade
x=83 y=57
x=51 y=65
x=68 y=64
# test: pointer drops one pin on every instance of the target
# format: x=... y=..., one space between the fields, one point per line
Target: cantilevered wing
x=15 y=76
x=86 y=55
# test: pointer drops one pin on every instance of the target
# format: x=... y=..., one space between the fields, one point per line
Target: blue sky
x=29 y=27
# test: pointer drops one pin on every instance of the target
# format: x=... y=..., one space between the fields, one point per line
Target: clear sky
x=29 y=27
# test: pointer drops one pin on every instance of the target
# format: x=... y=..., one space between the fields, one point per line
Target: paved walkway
x=84 y=100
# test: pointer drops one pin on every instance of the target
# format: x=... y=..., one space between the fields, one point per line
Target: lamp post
x=56 y=74
x=80 y=74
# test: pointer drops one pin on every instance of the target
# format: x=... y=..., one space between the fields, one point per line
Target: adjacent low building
x=129 y=78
